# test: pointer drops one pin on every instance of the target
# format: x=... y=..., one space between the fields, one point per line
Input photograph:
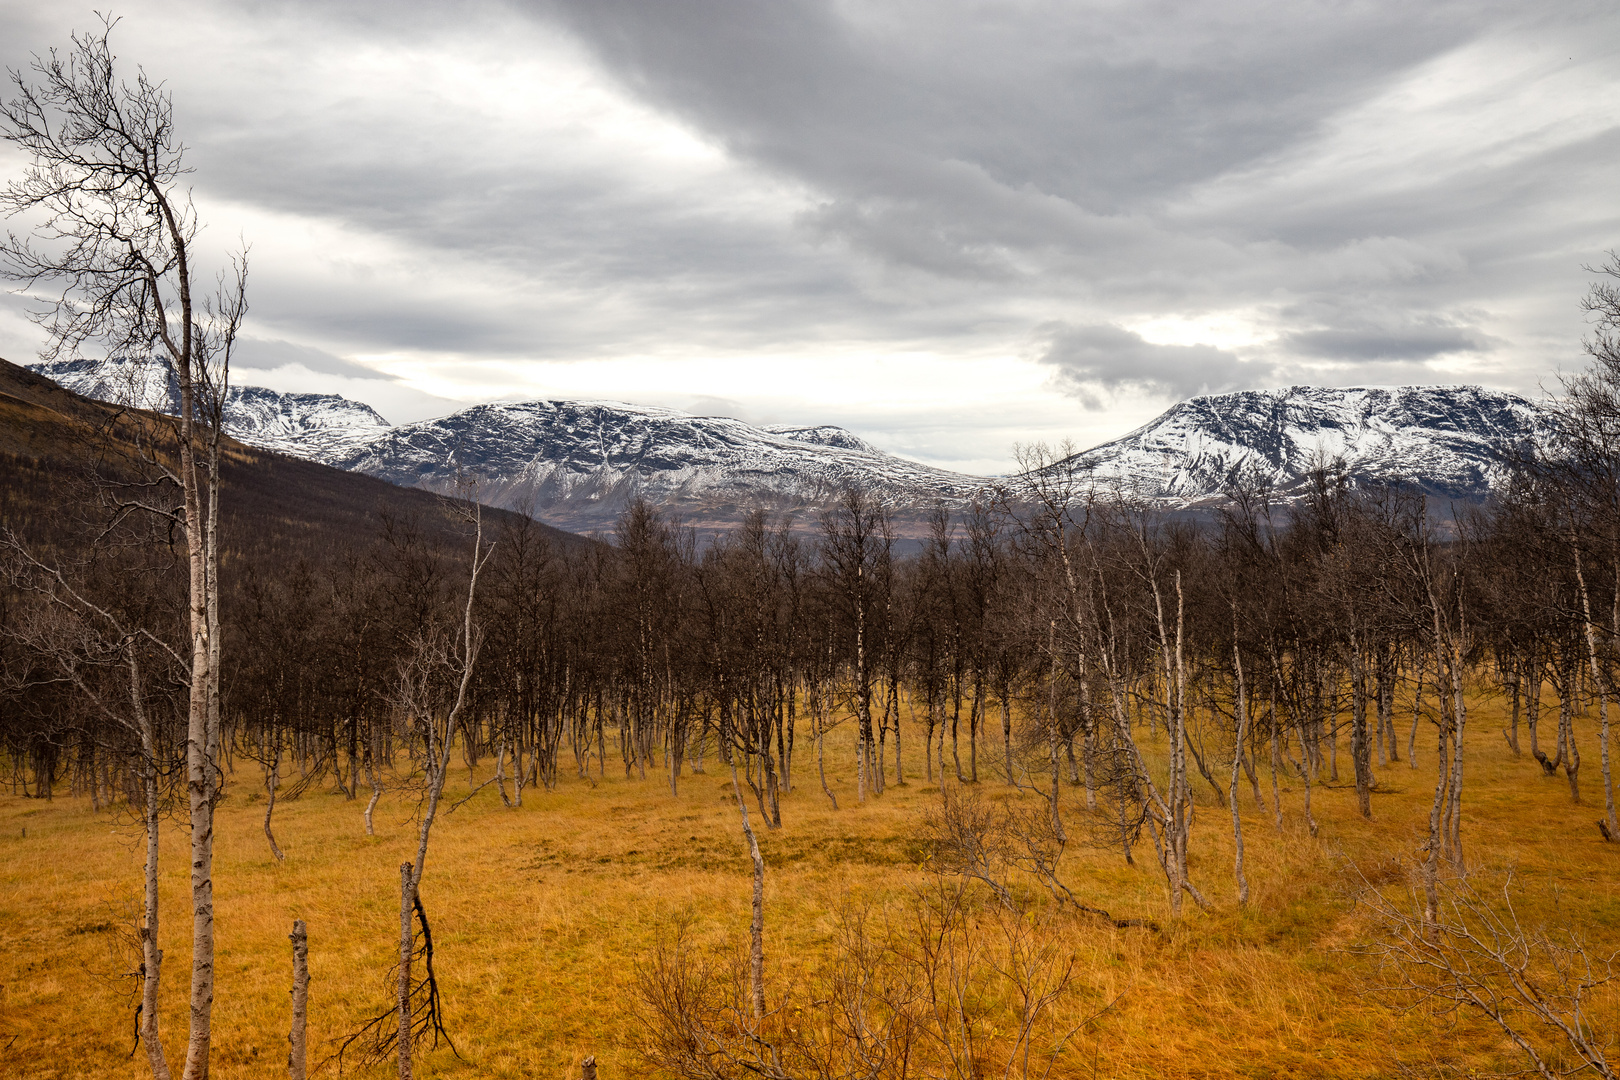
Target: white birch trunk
x=297 y=1053
x=1237 y=766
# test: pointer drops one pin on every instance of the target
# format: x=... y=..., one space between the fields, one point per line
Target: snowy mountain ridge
x=320 y=427
x=576 y=464
x=1451 y=441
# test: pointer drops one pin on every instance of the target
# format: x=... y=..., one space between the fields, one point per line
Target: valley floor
x=542 y=914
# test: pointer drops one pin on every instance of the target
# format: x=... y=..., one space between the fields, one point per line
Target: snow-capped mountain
x=320 y=427
x=822 y=435
x=1450 y=441
x=576 y=464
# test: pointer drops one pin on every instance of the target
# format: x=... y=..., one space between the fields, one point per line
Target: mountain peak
x=320 y=427
x=1450 y=441
x=577 y=463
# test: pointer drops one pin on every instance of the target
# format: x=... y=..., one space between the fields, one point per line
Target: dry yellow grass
x=541 y=915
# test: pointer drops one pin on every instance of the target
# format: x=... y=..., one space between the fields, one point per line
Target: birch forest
x=1144 y=684
x=1056 y=781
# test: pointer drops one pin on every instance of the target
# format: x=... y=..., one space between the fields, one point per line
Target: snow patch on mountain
x=1449 y=441
x=822 y=435
x=577 y=464
x=580 y=462
x=320 y=427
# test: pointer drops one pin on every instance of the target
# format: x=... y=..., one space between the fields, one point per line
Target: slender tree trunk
x=894 y=698
x=756 y=927
x=1276 y=761
x=1237 y=765
x=1305 y=774
x=297 y=1054
x=1611 y=825
x=1431 y=862
x=1052 y=735
x=928 y=739
x=407 y=946
x=200 y=787
x=1532 y=699
x=151 y=955
x=1513 y=680
x=272 y=781
x=1567 y=748
x=956 y=722
x=975 y=715
x=500 y=771
x=376 y=790
x=821 y=761
x=201 y=512
x=1459 y=729
x=1360 y=752
x=1417 y=713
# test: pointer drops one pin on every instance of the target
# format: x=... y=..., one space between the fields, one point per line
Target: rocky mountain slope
x=275 y=508
x=318 y=427
x=1450 y=441
x=576 y=464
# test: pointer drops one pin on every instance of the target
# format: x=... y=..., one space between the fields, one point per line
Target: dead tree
x=857 y=544
x=432 y=694
x=105 y=655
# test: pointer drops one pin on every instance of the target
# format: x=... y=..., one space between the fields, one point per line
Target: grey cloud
x=1418 y=343
x=1102 y=357
x=957 y=176
x=1107 y=109
x=267 y=353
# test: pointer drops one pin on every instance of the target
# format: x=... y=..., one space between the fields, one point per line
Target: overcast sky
x=950 y=226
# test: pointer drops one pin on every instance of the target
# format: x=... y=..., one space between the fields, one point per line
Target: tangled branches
x=974 y=839
x=936 y=987
x=377 y=1039
x=1474 y=954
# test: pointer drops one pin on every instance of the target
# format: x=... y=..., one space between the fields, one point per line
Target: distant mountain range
x=280 y=508
x=1451 y=442
x=576 y=464
x=317 y=427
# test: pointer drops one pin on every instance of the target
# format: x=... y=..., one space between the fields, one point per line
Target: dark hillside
x=52 y=441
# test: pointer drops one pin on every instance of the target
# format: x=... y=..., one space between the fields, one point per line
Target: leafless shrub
x=995 y=844
x=933 y=987
x=1535 y=983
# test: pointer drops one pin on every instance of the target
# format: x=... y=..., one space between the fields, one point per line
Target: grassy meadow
x=542 y=914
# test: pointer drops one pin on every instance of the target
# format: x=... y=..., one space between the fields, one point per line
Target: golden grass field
x=542 y=914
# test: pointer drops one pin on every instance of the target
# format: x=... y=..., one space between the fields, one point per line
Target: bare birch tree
x=111 y=238
x=432 y=694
